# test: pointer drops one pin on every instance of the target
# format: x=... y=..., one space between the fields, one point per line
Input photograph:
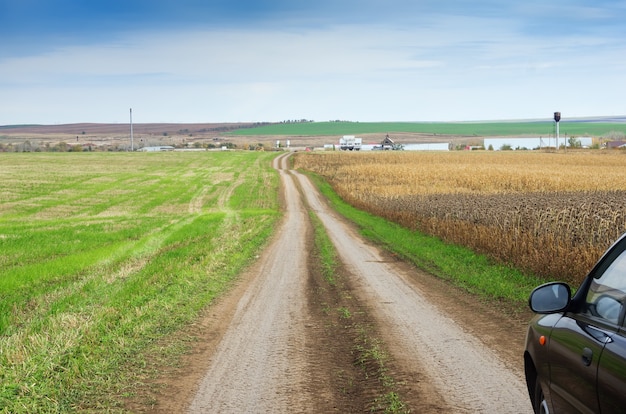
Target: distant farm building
x=388 y=144
x=350 y=143
x=532 y=143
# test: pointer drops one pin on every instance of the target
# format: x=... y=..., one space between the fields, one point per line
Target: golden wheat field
x=552 y=214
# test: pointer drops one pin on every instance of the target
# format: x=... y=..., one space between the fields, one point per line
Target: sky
x=188 y=61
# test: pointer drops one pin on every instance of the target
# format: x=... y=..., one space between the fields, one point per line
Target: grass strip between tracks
x=474 y=273
x=369 y=353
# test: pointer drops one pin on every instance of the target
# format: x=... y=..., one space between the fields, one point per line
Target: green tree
x=574 y=142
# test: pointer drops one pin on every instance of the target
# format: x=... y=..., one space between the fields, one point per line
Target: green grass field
x=104 y=255
x=443 y=128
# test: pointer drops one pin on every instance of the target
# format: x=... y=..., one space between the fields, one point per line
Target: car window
x=606 y=294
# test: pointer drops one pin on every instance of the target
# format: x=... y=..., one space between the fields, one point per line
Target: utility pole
x=132 y=147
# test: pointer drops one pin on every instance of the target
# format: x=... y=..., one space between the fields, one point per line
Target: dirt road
x=276 y=354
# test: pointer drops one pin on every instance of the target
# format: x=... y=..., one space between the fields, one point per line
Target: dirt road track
x=262 y=364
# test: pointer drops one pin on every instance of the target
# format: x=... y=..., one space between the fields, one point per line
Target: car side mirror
x=550 y=298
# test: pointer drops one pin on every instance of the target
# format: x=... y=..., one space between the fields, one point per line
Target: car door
x=585 y=346
x=575 y=346
x=612 y=375
x=612 y=366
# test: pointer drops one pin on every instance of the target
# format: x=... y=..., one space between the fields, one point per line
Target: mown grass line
x=474 y=273
x=370 y=355
x=89 y=300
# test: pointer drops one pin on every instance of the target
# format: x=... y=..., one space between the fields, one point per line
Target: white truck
x=350 y=143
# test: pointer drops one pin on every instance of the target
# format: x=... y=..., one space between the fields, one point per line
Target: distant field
x=444 y=128
x=105 y=256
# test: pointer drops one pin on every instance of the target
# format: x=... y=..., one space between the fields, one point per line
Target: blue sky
x=66 y=61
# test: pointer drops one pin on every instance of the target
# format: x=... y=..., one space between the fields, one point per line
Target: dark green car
x=575 y=356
